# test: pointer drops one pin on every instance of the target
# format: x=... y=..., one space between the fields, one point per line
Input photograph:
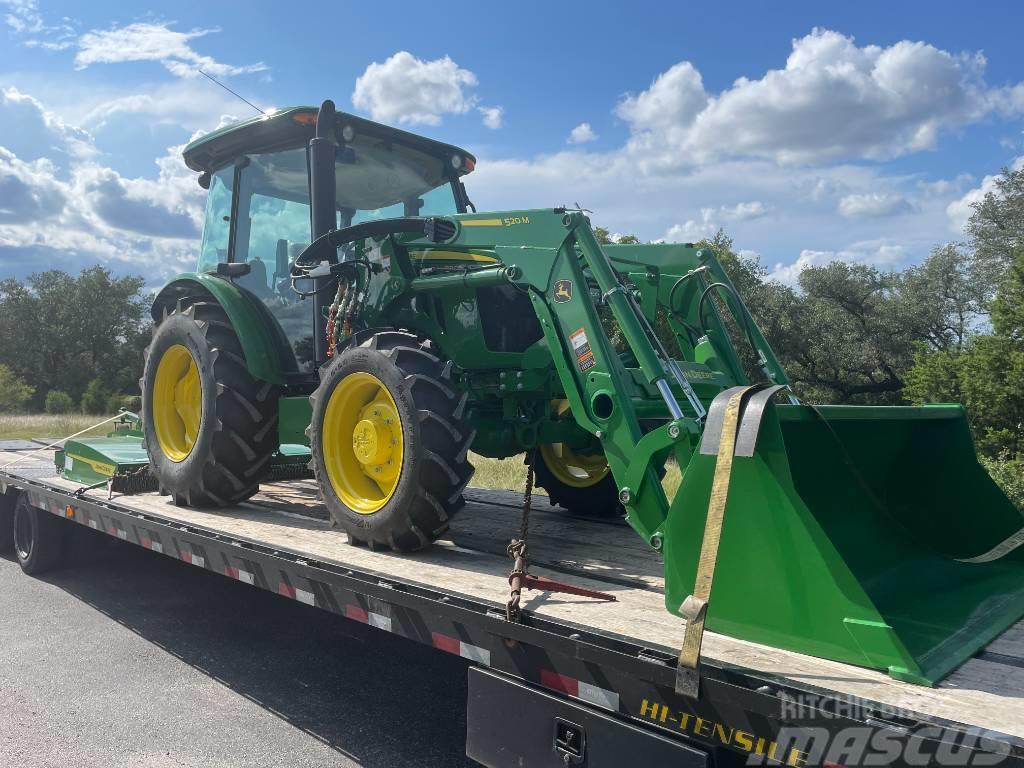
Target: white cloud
x=691 y=230
x=32 y=132
x=144 y=41
x=832 y=100
x=743 y=211
x=29 y=192
x=22 y=16
x=790 y=273
x=180 y=103
x=492 y=116
x=24 y=20
x=581 y=134
x=959 y=211
x=873 y=205
x=884 y=254
x=89 y=212
x=708 y=223
x=407 y=90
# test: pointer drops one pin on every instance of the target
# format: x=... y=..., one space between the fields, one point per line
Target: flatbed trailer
x=575 y=681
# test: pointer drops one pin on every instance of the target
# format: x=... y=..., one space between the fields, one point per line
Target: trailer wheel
x=210 y=426
x=7 y=502
x=579 y=483
x=39 y=538
x=389 y=446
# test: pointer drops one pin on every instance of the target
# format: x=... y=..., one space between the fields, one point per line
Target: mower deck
x=470 y=562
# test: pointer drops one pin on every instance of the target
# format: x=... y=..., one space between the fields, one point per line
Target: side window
x=275 y=225
x=217 y=221
x=272 y=228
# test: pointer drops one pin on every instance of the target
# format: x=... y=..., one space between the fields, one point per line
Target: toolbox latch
x=570 y=741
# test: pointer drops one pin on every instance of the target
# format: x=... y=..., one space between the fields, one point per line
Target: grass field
x=500 y=474
x=45 y=425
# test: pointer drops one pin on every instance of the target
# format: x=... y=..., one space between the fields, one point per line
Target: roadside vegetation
x=26 y=425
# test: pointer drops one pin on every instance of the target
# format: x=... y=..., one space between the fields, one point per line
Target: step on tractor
x=351 y=307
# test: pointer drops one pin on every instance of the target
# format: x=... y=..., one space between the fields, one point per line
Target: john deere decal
x=563 y=291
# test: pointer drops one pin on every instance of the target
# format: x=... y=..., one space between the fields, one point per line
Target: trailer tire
x=211 y=433
x=599 y=499
x=39 y=538
x=390 y=450
x=7 y=502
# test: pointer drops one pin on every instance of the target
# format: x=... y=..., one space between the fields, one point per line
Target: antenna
x=218 y=82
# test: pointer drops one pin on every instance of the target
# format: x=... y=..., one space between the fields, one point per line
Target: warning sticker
x=580 y=343
x=581 y=348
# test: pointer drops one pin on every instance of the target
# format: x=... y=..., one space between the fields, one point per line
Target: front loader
x=349 y=297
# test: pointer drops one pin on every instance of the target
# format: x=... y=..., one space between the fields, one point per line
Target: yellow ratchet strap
x=694 y=608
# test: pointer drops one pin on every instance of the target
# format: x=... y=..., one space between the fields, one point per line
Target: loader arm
x=636 y=398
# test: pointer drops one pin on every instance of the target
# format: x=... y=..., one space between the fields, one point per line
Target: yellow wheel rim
x=177 y=403
x=574 y=469
x=362 y=443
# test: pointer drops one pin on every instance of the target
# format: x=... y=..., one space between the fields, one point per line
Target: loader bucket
x=868 y=535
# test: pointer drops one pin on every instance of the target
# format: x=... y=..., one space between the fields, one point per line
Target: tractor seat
x=256 y=280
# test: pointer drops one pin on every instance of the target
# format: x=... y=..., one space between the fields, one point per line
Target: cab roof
x=295 y=126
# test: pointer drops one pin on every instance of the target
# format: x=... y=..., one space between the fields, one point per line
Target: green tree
x=854 y=340
x=604 y=237
x=946 y=295
x=60 y=332
x=14 y=393
x=1008 y=307
x=985 y=374
x=985 y=371
x=58 y=402
x=996 y=229
x=95 y=398
x=851 y=332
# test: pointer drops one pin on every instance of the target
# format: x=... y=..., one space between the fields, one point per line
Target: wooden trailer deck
x=986 y=692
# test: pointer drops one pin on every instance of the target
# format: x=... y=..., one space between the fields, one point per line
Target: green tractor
x=349 y=298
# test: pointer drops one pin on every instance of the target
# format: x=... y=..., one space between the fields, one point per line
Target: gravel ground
x=127 y=658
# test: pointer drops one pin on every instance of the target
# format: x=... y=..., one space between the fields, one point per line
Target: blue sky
x=809 y=131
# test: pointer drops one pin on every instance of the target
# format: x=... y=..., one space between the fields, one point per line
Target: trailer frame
x=741 y=716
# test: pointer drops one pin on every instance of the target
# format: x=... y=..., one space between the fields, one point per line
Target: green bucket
x=868 y=535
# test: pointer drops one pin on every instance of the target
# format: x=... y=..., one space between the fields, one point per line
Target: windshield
x=373 y=181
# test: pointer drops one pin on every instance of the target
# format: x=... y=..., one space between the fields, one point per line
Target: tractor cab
x=258 y=210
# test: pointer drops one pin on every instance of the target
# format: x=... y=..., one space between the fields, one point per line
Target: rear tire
x=39 y=538
x=219 y=455
x=429 y=442
x=599 y=499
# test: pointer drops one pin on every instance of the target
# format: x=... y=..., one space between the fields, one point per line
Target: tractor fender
x=260 y=336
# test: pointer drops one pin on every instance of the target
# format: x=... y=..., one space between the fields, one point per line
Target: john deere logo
x=563 y=291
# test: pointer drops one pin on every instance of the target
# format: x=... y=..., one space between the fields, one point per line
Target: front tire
x=210 y=427
x=389 y=445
